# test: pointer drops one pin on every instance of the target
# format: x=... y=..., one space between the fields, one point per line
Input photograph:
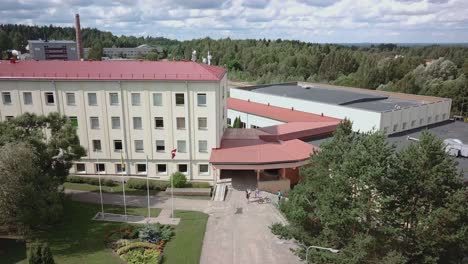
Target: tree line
x=427 y=70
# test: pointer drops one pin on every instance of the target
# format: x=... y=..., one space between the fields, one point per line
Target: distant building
x=52 y=50
x=115 y=52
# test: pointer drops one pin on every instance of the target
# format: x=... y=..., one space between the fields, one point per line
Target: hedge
x=91 y=181
x=153 y=185
x=198 y=185
x=135 y=245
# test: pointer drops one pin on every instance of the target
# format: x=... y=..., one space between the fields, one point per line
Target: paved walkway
x=236 y=232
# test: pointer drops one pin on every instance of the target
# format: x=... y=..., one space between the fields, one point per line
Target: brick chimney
x=79 y=43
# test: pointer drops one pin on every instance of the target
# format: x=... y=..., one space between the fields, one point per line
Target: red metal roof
x=110 y=70
x=274 y=112
x=245 y=146
x=296 y=130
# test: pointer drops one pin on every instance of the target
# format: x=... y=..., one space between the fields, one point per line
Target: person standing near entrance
x=280 y=195
x=247 y=195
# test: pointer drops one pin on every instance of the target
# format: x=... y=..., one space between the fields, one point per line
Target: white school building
x=130 y=109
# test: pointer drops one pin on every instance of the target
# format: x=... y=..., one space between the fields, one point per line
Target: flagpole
x=147 y=188
x=173 y=153
x=123 y=189
x=100 y=188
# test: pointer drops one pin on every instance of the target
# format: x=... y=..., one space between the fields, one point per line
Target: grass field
x=80 y=240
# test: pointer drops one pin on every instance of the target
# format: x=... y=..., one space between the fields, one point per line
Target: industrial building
x=367 y=109
x=52 y=50
x=115 y=52
x=131 y=110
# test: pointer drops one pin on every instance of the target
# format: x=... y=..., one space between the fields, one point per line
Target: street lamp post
x=324 y=248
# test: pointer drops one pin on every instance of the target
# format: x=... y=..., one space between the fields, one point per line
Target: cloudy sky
x=338 y=21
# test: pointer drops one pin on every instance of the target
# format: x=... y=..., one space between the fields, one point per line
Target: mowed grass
x=81 y=240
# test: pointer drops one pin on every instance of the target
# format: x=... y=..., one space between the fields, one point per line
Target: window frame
x=178 y=146
x=122 y=168
x=207 y=169
x=73 y=121
x=94 y=141
x=183 y=164
x=137 y=168
x=177 y=123
x=49 y=95
x=89 y=99
x=158 y=172
x=91 y=118
x=158 y=119
x=121 y=145
x=80 y=171
x=113 y=118
x=134 y=96
x=68 y=96
x=29 y=96
x=163 y=145
x=199 y=149
x=99 y=171
x=134 y=124
x=9 y=96
x=142 y=145
x=154 y=99
x=111 y=95
x=198 y=99
x=206 y=123
x=177 y=98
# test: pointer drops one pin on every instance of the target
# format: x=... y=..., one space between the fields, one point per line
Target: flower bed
x=139 y=244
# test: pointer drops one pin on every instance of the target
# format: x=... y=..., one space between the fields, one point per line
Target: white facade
x=390 y=122
x=127 y=111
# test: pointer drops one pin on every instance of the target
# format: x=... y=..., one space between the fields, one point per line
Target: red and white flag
x=173 y=152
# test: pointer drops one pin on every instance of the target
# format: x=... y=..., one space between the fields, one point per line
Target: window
x=229 y=121
x=413 y=123
x=97 y=145
x=202 y=123
x=429 y=119
x=421 y=121
x=141 y=168
x=119 y=168
x=404 y=126
x=27 y=98
x=71 y=99
x=6 y=96
x=201 y=99
x=73 y=121
x=100 y=168
x=254 y=126
x=182 y=168
x=137 y=123
x=161 y=168
x=202 y=146
x=115 y=120
x=181 y=146
x=180 y=123
x=180 y=99
x=395 y=127
x=80 y=167
x=94 y=122
x=49 y=98
x=114 y=98
x=203 y=169
x=160 y=146
x=139 y=146
x=437 y=118
x=118 y=145
x=92 y=99
x=136 y=99
x=157 y=99
x=158 y=122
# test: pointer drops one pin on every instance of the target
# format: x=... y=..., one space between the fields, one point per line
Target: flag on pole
x=147 y=189
x=122 y=162
x=173 y=152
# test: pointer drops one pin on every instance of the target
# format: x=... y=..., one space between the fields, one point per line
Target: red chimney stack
x=79 y=44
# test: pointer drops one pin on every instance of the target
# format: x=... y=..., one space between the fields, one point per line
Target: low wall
x=190 y=191
x=273 y=186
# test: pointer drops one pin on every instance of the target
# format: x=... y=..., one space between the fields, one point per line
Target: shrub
x=138 y=256
x=39 y=253
x=135 y=245
x=179 y=179
x=92 y=181
x=153 y=185
x=155 y=233
x=120 y=243
x=199 y=185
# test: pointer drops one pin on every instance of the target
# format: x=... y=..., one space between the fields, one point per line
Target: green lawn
x=114 y=189
x=81 y=240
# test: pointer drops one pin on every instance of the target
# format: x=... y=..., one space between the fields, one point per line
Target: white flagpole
x=123 y=189
x=173 y=152
x=147 y=188
x=100 y=188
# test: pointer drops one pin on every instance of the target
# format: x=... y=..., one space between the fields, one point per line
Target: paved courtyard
x=236 y=232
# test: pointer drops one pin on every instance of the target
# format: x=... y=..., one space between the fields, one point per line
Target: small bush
x=120 y=243
x=179 y=180
x=39 y=253
x=138 y=256
x=135 y=245
x=280 y=230
x=153 y=185
x=155 y=233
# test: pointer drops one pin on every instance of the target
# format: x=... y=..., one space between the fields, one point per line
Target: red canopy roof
x=274 y=112
x=295 y=130
x=110 y=70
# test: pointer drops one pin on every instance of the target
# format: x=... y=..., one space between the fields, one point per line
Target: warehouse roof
x=110 y=70
x=355 y=98
x=276 y=113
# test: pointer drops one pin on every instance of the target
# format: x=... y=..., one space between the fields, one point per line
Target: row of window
x=113 y=99
x=413 y=123
x=161 y=168
x=160 y=146
x=138 y=122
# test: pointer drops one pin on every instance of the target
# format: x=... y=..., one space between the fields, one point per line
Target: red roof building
x=110 y=70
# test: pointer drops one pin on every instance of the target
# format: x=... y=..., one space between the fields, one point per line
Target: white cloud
x=308 y=20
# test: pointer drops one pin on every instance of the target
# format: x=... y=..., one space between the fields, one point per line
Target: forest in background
x=427 y=70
